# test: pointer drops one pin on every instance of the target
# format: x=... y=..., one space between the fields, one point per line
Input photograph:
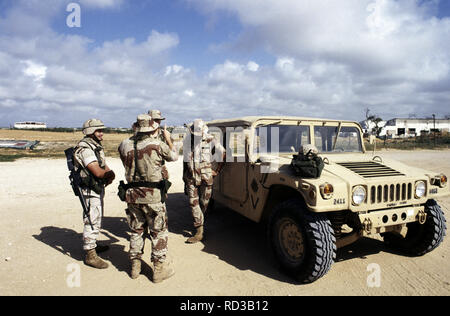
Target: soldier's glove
x=109 y=177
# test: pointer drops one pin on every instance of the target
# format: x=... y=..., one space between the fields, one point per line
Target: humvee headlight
x=440 y=180
x=358 y=195
x=420 y=189
x=443 y=180
x=326 y=190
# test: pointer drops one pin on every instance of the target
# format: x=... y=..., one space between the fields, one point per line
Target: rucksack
x=307 y=166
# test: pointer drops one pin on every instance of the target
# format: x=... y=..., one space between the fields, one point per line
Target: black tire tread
x=320 y=240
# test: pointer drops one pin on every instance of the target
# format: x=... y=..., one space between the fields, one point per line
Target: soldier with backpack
x=89 y=162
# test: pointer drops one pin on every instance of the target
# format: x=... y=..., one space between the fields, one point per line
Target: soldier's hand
x=109 y=177
x=166 y=133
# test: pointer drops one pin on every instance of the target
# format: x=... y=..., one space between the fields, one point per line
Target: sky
x=63 y=62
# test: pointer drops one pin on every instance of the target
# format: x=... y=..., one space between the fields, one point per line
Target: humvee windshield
x=289 y=138
x=348 y=140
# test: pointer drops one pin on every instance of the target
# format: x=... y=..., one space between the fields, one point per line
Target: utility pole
x=434 y=129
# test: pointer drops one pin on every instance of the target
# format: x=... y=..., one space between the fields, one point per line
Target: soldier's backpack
x=307 y=166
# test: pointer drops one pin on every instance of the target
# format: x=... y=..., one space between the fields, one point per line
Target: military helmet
x=92 y=125
x=145 y=124
x=308 y=149
x=156 y=115
x=198 y=127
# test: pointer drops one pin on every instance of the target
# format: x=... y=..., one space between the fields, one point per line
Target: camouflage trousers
x=95 y=206
x=199 y=197
x=154 y=218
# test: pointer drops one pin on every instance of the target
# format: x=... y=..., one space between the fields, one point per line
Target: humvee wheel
x=302 y=242
x=421 y=239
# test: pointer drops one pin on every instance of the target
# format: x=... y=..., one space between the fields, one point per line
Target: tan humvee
x=357 y=194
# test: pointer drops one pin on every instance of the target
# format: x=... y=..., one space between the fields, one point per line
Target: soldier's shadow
x=69 y=242
x=179 y=214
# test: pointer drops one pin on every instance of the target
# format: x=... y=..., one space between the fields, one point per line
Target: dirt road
x=40 y=245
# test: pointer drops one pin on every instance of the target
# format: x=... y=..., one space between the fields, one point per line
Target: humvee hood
x=360 y=168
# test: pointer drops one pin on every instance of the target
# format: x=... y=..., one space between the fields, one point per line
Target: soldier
x=198 y=174
x=142 y=156
x=157 y=117
x=89 y=158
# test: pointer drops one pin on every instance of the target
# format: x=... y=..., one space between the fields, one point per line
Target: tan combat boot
x=162 y=271
x=197 y=237
x=135 y=268
x=94 y=261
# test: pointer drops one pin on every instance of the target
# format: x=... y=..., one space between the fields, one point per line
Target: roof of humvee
x=249 y=120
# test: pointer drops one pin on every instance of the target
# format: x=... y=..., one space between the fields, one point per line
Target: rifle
x=75 y=182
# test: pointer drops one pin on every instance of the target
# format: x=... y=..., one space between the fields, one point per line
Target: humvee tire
x=302 y=242
x=421 y=239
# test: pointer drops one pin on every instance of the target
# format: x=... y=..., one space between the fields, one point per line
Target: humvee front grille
x=390 y=193
x=370 y=169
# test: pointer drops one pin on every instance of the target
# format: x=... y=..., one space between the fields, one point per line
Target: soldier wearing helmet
x=200 y=150
x=158 y=118
x=142 y=156
x=89 y=158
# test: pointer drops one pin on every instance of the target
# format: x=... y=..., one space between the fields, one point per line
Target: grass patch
x=53 y=143
x=424 y=142
x=10 y=158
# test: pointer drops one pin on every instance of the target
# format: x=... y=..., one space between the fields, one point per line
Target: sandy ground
x=40 y=245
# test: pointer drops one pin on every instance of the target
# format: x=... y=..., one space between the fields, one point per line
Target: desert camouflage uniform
x=88 y=151
x=145 y=208
x=156 y=115
x=197 y=172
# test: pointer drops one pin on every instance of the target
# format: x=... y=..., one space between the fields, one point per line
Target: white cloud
x=189 y=93
x=353 y=53
x=252 y=66
x=102 y=4
x=331 y=59
x=34 y=70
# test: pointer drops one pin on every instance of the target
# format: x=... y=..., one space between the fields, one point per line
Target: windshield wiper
x=337 y=135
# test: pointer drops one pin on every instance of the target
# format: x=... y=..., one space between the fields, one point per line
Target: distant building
x=411 y=127
x=29 y=125
x=407 y=127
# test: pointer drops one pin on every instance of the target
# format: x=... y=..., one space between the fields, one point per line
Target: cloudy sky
x=222 y=58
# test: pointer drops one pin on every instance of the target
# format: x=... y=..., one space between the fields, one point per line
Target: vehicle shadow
x=229 y=236
x=363 y=248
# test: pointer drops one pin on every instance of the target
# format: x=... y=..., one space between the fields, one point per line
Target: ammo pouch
x=163 y=186
x=92 y=183
x=307 y=167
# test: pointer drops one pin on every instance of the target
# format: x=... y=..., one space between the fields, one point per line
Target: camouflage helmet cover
x=92 y=125
x=308 y=149
x=199 y=128
x=145 y=124
x=156 y=115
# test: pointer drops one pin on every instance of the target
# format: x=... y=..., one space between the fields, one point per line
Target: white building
x=410 y=127
x=29 y=125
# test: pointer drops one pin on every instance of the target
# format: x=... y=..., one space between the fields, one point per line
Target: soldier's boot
x=135 y=268
x=162 y=271
x=197 y=237
x=94 y=261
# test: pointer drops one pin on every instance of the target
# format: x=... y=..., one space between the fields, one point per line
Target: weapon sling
x=75 y=182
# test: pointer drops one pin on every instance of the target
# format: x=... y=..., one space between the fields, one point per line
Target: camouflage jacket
x=199 y=159
x=86 y=152
x=151 y=153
